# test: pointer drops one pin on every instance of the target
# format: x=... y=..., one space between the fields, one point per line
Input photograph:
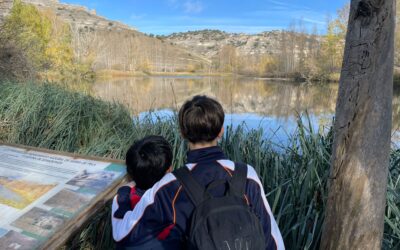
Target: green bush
x=26 y=29
x=37 y=42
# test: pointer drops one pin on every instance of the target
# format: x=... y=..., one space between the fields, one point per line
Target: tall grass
x=294 y=176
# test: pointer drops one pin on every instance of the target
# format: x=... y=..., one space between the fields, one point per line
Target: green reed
x=294 y=175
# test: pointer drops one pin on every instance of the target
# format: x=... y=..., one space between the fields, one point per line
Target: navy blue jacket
x=166 y=205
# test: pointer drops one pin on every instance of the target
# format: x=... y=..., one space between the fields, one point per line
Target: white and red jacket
x=165 y=209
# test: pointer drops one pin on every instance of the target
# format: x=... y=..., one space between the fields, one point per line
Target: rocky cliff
x=5 y=6
x=79 y=16
x=210 y=42
x=272 y=53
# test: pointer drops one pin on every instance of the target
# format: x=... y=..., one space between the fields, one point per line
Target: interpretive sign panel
x=44 y=194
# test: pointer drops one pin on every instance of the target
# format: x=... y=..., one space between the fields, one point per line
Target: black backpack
x=221 y=223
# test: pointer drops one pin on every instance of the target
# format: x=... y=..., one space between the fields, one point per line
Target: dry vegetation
x=295 y=52
x=294 y=175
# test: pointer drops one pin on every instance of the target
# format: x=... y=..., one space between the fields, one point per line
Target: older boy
x=168 y=204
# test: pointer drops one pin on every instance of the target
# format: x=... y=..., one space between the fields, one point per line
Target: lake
x=272 y=105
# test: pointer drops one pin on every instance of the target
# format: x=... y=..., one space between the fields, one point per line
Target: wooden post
x=355 y=208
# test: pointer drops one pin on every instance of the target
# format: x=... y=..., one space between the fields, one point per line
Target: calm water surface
x=272 y=105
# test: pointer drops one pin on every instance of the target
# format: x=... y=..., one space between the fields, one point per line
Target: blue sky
x=248 y=16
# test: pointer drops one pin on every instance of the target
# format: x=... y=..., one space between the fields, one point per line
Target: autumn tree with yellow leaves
x=34 y=42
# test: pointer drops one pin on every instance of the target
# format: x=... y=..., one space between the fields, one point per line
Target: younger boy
x=147 y=161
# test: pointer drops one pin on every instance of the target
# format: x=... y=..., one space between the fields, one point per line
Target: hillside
x=99 y=44
x=210 y=42
x=274 y=53
x=289 y=50
x=111 y=45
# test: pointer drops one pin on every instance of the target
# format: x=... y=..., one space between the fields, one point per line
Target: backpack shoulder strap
x=193 y=189
x=239 y=179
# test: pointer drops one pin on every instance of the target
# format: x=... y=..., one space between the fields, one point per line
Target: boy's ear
x=181 y=134
x=221 y=133
x=170 y=169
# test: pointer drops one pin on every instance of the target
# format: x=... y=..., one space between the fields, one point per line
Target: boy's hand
x=131 y=184
x=123 y=201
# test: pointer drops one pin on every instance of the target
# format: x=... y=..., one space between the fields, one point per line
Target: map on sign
x=40 y=192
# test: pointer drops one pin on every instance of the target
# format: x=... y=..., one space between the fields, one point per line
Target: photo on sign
x=69 y=201
x=16 y=241
x=18 y=192
x=97 y=181
x=39 y=222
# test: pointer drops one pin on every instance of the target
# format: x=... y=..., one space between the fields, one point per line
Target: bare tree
x=357 y=190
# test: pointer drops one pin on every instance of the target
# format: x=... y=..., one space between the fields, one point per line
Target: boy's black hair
x=147 y=161
x=201 y=119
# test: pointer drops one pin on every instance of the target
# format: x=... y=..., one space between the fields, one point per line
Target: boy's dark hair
x=147 y=161
x=201 y=119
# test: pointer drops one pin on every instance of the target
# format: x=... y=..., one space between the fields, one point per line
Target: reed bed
x=294 y=176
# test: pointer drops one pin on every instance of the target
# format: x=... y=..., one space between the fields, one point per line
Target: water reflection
x=237 y=95
x=270 y=104
x=276 y=129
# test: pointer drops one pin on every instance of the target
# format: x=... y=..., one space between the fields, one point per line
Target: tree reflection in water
x=273 y=105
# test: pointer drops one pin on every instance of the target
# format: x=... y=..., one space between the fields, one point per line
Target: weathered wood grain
x=357 y=188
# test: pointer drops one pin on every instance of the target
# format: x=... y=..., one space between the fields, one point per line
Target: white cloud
x=309 y=18
x=173 y=3
x=284 y=5
x=192 y=6
x=314 y=21
x=137 y=17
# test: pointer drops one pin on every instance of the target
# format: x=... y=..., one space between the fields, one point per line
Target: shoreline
x=107 y=74
x=110 y=74
x=115 y=74
x=123 y=74
x=104 y=74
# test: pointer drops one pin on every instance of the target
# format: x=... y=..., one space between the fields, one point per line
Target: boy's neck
x=200 y=145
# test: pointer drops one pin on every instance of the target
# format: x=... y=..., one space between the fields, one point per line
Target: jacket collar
x=205 y=155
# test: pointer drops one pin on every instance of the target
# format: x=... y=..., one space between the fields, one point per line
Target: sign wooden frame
x=74 y=224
